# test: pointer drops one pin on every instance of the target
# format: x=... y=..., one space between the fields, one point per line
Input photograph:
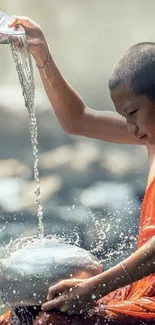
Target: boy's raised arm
x=72 y=113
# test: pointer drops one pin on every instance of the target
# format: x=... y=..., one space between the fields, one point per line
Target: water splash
x=24 y=315
x=14 y=319
x=21 y=242
x=24 y=69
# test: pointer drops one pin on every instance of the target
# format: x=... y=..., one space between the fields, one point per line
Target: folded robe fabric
x=134 y=304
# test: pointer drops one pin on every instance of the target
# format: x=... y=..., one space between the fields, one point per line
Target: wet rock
x=14 y=168
x=76 y=164
x=17 y=194
x=49 y=186
x=78 y=156
x=109 y=194
x=10 y=189
x=122 y=160
x=53 y=159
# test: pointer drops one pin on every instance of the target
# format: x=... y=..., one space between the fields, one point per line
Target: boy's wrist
x=98 y=284
x=111 y=280
x=41 y=55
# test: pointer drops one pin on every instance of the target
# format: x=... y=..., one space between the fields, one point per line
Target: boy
x=132 y=90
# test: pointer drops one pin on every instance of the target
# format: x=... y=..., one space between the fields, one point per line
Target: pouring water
x=22 y=59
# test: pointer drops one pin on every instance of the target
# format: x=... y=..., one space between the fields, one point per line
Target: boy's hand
x=71 y=296
x=35 y=37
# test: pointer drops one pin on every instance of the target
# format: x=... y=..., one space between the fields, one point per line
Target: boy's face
x=138 y=111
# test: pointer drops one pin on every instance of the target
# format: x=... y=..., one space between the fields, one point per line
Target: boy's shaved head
x=137 y=67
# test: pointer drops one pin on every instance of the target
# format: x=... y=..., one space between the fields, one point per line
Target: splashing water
x=24 y=315
x=24 y=69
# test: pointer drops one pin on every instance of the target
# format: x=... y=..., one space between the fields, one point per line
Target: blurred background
x=91 y=190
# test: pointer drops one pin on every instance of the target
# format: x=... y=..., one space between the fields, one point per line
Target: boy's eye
x=133 y=112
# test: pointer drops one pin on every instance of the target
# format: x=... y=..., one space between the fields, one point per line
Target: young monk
x=126 y=292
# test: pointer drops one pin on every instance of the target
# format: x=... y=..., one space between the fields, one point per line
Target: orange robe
x=134 y=304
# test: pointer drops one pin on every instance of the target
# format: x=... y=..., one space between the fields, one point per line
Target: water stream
x=24 y=69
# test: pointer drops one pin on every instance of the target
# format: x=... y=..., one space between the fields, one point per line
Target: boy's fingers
x=57 y=289
x=49 y=305
x=16 y=20
x=52 y=304
x=12 y=23
x=21 y=18
x=60 y=287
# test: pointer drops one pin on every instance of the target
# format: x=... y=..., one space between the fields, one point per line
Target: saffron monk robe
x=132 y=88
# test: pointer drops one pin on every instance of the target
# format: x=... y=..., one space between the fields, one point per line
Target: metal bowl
x=28 y=272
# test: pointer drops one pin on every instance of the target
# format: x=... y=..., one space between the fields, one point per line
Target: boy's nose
x=132 y=128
